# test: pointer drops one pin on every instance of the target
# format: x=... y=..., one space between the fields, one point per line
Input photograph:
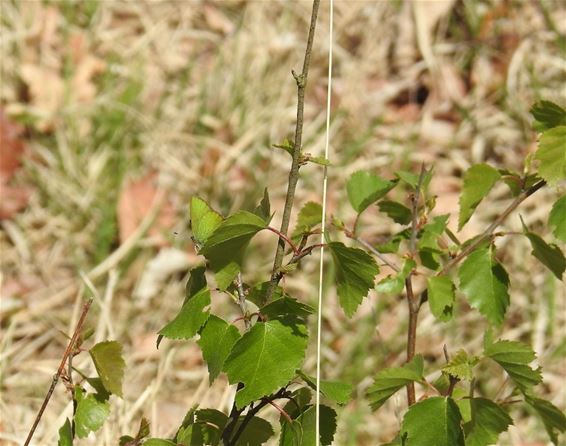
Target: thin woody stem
x=412 y=305
x=285 y=238
x=60 y=370
x=376 y=253
x=304 y=252
x=301 y=80
x=242 y=300
x=253 y=410
x=492 y=227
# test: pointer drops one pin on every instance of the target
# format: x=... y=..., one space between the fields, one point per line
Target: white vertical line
x=323 y=225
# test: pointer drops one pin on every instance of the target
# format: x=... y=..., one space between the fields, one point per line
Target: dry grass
x=188 y=97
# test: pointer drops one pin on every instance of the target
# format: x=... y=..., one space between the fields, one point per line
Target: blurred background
x=114 y=113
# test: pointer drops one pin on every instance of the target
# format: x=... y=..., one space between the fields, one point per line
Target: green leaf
x=101 y=392
x=158 y=442
x=428 y=237
x=389 y=381
x=286 y=145
x=336 y=391
x=552 y=155
x=513 y=181
x=412 y=179
x=549 y=255
x=299 y=402
x=258 y=293
x=396 y=211
x=309 y=217
x=190 y=318
x=256 y=433
x=514 y=357
x=484 y=282
x=395 y=284
x=143 y=431
x=287 y=309
x=225 y=247
x=65 y=434
x=409 y=178
x=488 y=421
x=91 y=413
x=441 y=297
x=461 y=366
x=365 y=188
x=355 y=273
x=322 y=161
x=429 y=248
x=557 y=219
x=303 y=430
x=107 y=358
x=202 y=427
x=547 y=115
x=392 y=246
x=552 y=417
x=127 y=440
x=265 y=358
x=217 y=338
x=478 y=181
x=191 y=314
x=433 y=422
x=204 y=220
x=263 y=210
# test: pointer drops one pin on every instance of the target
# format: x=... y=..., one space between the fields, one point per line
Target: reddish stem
x=284 y=237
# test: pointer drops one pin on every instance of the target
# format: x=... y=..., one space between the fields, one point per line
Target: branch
x=285 y=238
x=234 y=415
x=242 y=300
x=487 y=233
x=303 y=253
x=60 y=370
x=376 y=253
x=411 y=303
x=415 y=212
x=251 y=413
x=492 y=227
x=301 y=80
x=411 y=335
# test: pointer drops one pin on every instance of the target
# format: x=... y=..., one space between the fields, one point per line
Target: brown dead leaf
x=86 y=67
x=134 y=204
x=13 y=198
x=47 y=92
x=11 y=147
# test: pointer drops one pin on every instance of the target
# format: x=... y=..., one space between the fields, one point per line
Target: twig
x=251 y=413
x=414 y=212
x=301 y=80
x=303 y=253
x=57 y=375
x=411 y=302
x=411 y=335
x=487 y=233
x=281 y=411
x=285 y=238
x=234 y=415
x=242 y=300
x=492 y=227
x=376 y=253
